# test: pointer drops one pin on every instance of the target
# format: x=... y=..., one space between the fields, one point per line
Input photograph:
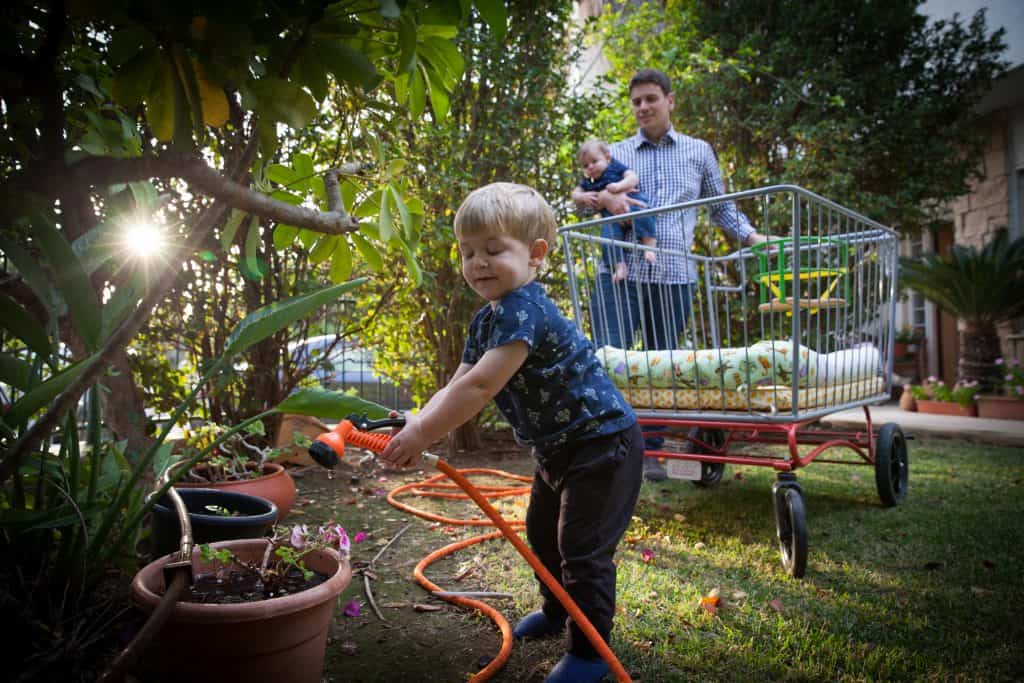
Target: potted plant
x=216 y=457
x=936 y=397
x=214 y=515
x=982 y=288
x=905 y=342
x=254 y=610
x=1009 y=403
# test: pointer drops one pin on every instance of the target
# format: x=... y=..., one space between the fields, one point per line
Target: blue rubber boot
x=573 y=669
x=537 y=625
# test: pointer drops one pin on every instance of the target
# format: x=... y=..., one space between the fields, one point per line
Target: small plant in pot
x=217 y=457
x=1008 y=403
x=935 y=396
x=256 y=609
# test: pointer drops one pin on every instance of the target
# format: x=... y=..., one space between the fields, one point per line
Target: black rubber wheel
x=892 y=466
x=791 y=526
x=710 y=472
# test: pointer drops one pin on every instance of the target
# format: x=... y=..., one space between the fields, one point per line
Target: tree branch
x=97 y=171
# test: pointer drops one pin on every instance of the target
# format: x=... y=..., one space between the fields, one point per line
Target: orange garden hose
x=346 y=432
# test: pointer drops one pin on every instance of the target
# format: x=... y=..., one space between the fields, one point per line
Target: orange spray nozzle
x=328 y=448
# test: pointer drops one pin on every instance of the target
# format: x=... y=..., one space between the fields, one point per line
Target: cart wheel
x=791 y=525
x=710 y=472
x=892 y=467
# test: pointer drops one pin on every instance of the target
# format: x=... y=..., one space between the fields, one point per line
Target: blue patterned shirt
x=560 y=393
x=677 y=169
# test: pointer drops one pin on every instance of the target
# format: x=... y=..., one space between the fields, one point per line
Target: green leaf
x=368 y=251
x=120 y=306
x=403 y=211
x=445 y=59
x=332 y=405
x=415 y=274
x=401 y=88
x=437 y=31
x=282 y=175
x=134 y=81
x=161 y=101
x=347 y=64
x=283 y=101
x=14 y=371
x=349 y=190
x=289 y=197
x=126 y=43
x=227 y=236
x=43 y=394
x=384 y=222
x=303 y=165
x=324 y=249
x=493 y=12
x=396 y=166
x=97 y=246
x=341 y=263
x=308 y=237
x=33 y=275
x=417 y=93
x=406 y=43
x=284 y=235
x=265 y=321
x=250 y=264
x=71 y=281
x=439 y=101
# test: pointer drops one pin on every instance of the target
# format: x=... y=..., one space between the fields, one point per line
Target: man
x=673 y=168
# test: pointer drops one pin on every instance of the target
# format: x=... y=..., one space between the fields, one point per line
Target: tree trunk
x=979 y=349
x=123 y=411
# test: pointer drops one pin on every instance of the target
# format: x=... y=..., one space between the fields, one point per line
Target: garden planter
x=899 y=349
x=946 y=408
x=275 y=485
x=1000 y=407
x=281 y=639
x=252 y=517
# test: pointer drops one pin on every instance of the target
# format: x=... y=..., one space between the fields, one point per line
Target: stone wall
x=986 y=209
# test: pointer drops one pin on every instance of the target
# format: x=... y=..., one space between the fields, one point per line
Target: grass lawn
x=931 y=590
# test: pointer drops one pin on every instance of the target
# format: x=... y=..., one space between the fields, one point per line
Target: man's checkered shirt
x=677 y=169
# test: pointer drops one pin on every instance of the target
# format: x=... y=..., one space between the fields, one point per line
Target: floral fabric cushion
x=763 y=363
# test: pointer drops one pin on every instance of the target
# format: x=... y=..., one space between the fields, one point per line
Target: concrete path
x=1001 y=432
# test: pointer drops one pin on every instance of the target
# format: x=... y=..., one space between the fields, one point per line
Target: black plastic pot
x=252 y=517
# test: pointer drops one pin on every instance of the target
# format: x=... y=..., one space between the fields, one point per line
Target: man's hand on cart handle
x=755 y=238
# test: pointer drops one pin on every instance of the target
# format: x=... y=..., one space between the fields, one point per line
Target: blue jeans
x=659 y=311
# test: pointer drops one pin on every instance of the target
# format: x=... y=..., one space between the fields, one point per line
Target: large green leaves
x=22 y=325
x=71 y=281
x=26 y=406
x=265 y=321
x=333 y=405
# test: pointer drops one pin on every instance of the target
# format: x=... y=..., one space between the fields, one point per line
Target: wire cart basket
x=762 y=343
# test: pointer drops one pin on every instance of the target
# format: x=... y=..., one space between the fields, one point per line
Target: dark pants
x=581 y=504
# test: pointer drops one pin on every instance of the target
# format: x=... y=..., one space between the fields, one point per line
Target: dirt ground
x=423 y=638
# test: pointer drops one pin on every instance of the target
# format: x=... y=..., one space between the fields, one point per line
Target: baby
x=602 y=172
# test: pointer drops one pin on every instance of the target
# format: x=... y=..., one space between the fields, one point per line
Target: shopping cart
x=765 y=341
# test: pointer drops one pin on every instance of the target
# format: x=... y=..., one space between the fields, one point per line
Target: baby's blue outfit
x=642 y=227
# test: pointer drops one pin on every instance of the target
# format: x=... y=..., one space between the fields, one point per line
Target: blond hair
x=506 y=209
x=590 y=145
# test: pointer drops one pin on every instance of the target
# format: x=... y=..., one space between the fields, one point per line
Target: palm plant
x=981 y=287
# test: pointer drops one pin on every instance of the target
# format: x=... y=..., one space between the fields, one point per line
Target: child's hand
x=591 y=199
x=407 y=445
x=650 y=256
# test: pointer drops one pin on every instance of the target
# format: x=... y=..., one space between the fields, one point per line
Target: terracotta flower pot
x=1000 y=407
x=253 y=517
x=946 y=408
x=275 y=485
x=281 y=639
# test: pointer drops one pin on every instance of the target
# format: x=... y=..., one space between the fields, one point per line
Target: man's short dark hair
x=654 y=76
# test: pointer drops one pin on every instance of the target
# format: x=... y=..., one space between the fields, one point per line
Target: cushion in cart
x=754 y=399
x=766 y=363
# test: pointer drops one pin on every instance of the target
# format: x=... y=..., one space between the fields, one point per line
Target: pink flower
x=298 y=537
x=335 y=534
x=647 y=555
x=999 y=361
x=359 y=537
x=1020 y=391
x=1008 y=378
x=352 y=608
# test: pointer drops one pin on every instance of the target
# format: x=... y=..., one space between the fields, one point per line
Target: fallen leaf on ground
x=643 y=644
x=463 y=573
x=394 y=605
x=679 y=517
x=738 y=595
x=710 y=603
x=738 y=476
x=348 y=648
x=647 y=555
x=420 y=607
x=776 y=605
x=699 y=545
x=981 y=592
